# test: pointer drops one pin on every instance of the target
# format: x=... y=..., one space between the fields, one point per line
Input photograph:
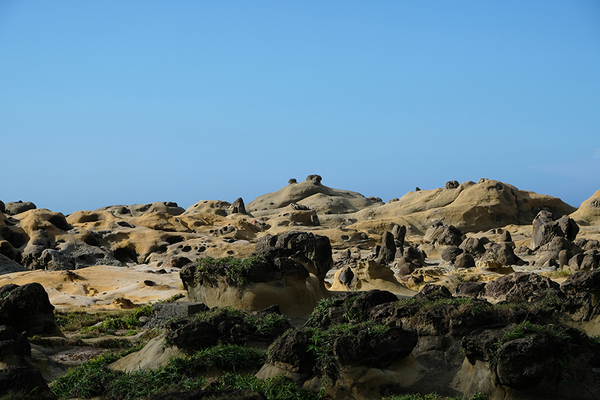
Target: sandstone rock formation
x=287 y=272
x=469 y=207
x=312 y=194
x=475 y=287
x=588 y=212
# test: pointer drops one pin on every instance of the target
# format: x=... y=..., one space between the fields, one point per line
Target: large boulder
x=450 y=253
x=18 y=207
x=545 y=228
x=312 y=251
x=503 y=253
x=474 y=245
x=442 y=234
x=387 y=251
x=277 y=276
x=27 y=309
x=520 y=287
x=75 y=255
x=8 y=266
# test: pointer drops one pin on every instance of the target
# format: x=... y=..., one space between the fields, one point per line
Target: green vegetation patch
x=234 y=270
x=102 y=322
x=96 y=379
x=129 y=322
x=247 y=322
x=434 y=396
x=526 y=328
x=277 y=388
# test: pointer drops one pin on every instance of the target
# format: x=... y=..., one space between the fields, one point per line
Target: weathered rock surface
x=588 y=212
x=18 y=207
x=287 y=271
x=469 y=207
x=8 y=266
x=545 y=229
x=314 y=195
x=27 y=309
x=520 y=287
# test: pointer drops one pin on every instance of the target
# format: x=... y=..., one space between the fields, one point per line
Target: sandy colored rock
x=296 y=298
x=370 y=275
x=101 y=286
x=470 y=207
x=154 y=355
x=313 y=194
x=588 y=212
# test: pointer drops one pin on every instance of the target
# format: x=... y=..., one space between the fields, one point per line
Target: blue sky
x=123 y=102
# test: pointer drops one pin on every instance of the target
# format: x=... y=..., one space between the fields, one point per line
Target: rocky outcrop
x=454 y=346
x=209 y=328
x=470 y=207
x=325 y=353
x=315 y=195
x=521 y=287
x=588 y=212
x=551 y=361
x=545 y=228
x=18 y=207
x=137 y=210
x=287 y=271
x=27 y=309
x=8 y=266
x=238 y=206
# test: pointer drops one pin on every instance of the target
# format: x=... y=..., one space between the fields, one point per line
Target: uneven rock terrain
x=470 y=289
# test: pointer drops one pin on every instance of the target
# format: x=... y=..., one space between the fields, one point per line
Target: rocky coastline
x=470 y=291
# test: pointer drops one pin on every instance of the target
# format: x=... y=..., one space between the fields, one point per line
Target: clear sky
x=125 y=102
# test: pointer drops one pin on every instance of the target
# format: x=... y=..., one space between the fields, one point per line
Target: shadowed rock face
x=519 y=287
x=14 y=347
x=24 y=379
x=312 y=251
x=27 y=309
x=224 y=326
x=524 y=347
x=17 y=207
x=545 y=229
